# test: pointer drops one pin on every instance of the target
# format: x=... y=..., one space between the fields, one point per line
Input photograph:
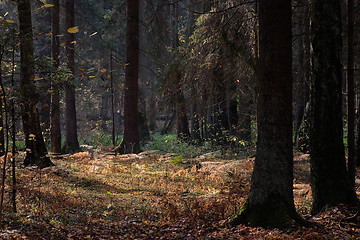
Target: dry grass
x=102 y=196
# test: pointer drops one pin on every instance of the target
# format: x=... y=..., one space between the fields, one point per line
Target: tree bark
x=301 y=68
x=2 y=136
x=130 y=142
x=270 y=202
x=351 y=93
x=182 y=125
x=36 y=153
x=72 y=144
x=329 y=178
x=55 y=129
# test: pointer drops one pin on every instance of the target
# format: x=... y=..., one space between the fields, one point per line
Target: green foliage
x=304 y=138
x=177 y=160
x=170 y=144
x=60 y=76
x=96 y=139
x=345 y=139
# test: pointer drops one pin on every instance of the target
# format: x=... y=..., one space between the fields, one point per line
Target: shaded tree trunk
x=301 y=68
x=2 y=108
x=104 y=111
x=55 y=129
x=34 y=141
x=182 y=124
x=270 y=202
x=245 y=107
x=351 y=92
x=329 y=178
x=130 y=142
x=71 y=144
x=2 y=136
x=112 y=91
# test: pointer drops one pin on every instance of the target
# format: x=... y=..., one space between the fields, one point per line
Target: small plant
x=177 y=160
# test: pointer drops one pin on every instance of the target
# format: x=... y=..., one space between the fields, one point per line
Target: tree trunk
x=329 y=179
x=105 y=106
x=36 y=153
x=302 y=85
x=130 y=142
x=2 y=112
x=182 y=124
x=112 y=91
x=270 y=202
x=55 y=129
x=351 y=93
x=2 y=136
x=245 y=107
x=301 y=62
x=72 y=144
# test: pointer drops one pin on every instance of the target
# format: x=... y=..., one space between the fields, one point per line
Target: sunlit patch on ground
x=98 y=195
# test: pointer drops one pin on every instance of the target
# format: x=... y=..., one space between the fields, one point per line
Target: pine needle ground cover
x=153 y=196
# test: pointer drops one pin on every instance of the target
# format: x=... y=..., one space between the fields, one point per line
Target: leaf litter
x=97 y=195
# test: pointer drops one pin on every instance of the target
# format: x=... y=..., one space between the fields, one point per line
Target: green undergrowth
x=171 y=144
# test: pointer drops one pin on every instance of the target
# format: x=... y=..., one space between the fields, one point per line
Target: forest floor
x=154 y=196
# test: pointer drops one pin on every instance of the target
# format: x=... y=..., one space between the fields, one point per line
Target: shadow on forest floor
x=153 y=196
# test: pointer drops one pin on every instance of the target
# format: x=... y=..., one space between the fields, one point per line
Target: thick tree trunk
x=270 y=202
x=55 y=129
x=36 y=153
x=329 y=178
x=130 y=142
x=71 y=144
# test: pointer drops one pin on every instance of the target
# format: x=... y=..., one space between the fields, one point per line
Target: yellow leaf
x=48 y=5
x=103 y=70
x=92 y=76
x=73 y=42
x=60 y=35
x=37 y=79
x=9 y=21
x=62 y=44
x=81 y=68
x=73 y=30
